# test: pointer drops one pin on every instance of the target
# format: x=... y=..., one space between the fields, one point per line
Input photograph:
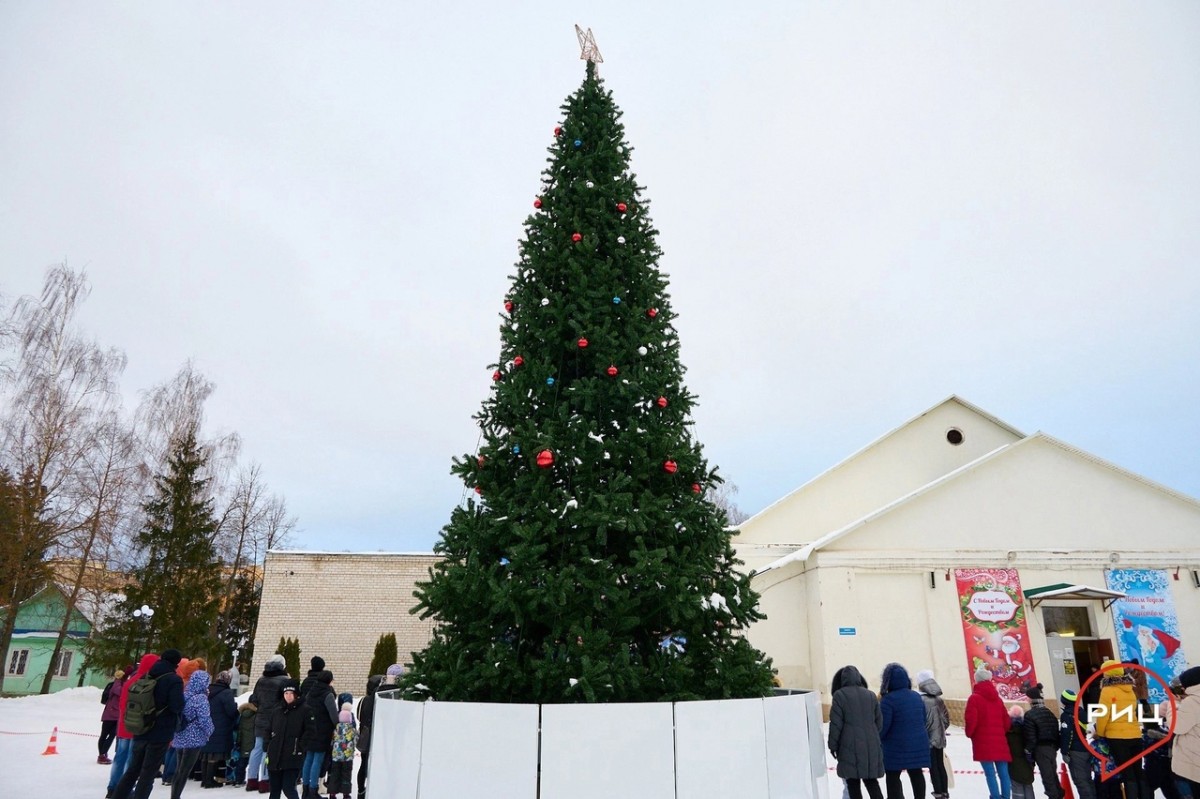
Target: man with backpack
x=152 y=711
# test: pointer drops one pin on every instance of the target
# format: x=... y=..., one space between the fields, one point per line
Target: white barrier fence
x=768 y=748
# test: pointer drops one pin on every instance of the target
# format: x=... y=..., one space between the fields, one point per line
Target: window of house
x=62 y=666
x=1068 y=621
x=16 y=663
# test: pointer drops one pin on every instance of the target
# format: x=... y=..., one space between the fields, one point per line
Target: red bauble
x=622 y=207
x=696 y=488
x=537 y=203
x=671 y=466
x=479 y=460
x=661 y=402
x=545 y=459
x=653 y=312
x=557 y=130
x=517 y=361
x=496 y=375
x=508 y=306
x=478 y=489
x=611 y=371
x=583 y=342
x=576 y=237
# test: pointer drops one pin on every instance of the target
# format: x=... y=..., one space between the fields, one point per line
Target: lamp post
x=144 y=614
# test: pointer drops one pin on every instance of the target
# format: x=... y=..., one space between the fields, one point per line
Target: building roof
x=803 y=553
x=953 y=398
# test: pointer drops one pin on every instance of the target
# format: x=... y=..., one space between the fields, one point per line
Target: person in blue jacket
x=904 y=737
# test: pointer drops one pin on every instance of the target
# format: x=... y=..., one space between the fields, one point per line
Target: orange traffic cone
x=52 y=748
x=1065 y=781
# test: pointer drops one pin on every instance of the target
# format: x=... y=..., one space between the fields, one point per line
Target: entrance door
x=1064 y=668
x=1090 y=653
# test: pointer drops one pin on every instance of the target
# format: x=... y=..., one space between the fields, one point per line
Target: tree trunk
x=72 y=599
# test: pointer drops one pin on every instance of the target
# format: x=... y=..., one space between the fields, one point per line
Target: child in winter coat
x=247 y=713
x=1042 y=739
x=1020 y=770
x=111 y=699
x=937 y=721
x=345 y=738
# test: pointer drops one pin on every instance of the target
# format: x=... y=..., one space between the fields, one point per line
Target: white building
x=860 y=565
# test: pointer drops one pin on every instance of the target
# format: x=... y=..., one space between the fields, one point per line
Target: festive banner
x=1146 y=625
x=993 y=619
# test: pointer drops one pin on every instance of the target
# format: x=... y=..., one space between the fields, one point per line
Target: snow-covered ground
x=26 y=724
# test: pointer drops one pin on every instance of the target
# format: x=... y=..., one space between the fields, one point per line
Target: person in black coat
x=1041 y=740
x=285 y=742
x=223 y=709
x=311 y=679
x=366 y=716
x=854 y=724
x=321 y=704
x=150 y=747
x=268 y=689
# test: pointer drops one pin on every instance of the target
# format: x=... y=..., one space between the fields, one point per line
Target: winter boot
x=264 y=786
x=251 y=784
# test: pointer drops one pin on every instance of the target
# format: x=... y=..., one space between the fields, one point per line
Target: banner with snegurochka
x=993 y=618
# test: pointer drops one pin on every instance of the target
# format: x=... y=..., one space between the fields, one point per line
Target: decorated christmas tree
x=586 y=564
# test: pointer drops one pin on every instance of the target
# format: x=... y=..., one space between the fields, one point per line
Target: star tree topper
x=587 y=46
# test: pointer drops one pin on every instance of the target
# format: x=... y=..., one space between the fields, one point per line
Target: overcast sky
x=864 y=208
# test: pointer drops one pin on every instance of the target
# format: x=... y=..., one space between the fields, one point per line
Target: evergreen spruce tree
x=290 y=649
x=179 y=575
x=385 y=654
x=589 y=565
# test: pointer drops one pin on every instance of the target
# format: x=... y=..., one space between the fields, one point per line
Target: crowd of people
x=902 y=730
x=172 y=721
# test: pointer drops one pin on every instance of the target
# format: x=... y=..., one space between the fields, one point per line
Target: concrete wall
x=337 y=605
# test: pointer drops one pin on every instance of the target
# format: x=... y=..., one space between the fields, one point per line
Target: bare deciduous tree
x=56 y=384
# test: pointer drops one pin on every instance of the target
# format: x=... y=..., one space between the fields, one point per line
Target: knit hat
x=325 y=677
x=1016 y=712
x=224 y=677
x=318 y=663
x=344 y=697
x=395 y=670
x=118 y=675
x=276 y=660
x=347 y=714
x=923 y=675
x=1112 y=668
x=982 y=675
x=1190 y=678
x=1032 y=691
x=1068 y=696
x=172 y=656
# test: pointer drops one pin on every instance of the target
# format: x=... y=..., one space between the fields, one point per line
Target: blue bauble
x=549 y=381
x=616 y=300
x=516 y=449
x=578 y=143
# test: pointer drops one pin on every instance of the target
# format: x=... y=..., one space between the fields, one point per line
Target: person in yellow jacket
x=1120 y=726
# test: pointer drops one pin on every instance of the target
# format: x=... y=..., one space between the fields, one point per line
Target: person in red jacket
x=125 y=737
x=987 y=723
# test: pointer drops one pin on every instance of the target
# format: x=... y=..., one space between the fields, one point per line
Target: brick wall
x=337 y=605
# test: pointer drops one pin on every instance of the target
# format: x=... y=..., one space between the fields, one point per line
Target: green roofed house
x=29 y=655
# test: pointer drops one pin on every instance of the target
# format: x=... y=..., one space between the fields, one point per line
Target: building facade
x=31 y=652
x=920 y=549
x=338 y=605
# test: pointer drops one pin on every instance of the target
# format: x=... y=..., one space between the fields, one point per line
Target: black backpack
x=140 y=709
